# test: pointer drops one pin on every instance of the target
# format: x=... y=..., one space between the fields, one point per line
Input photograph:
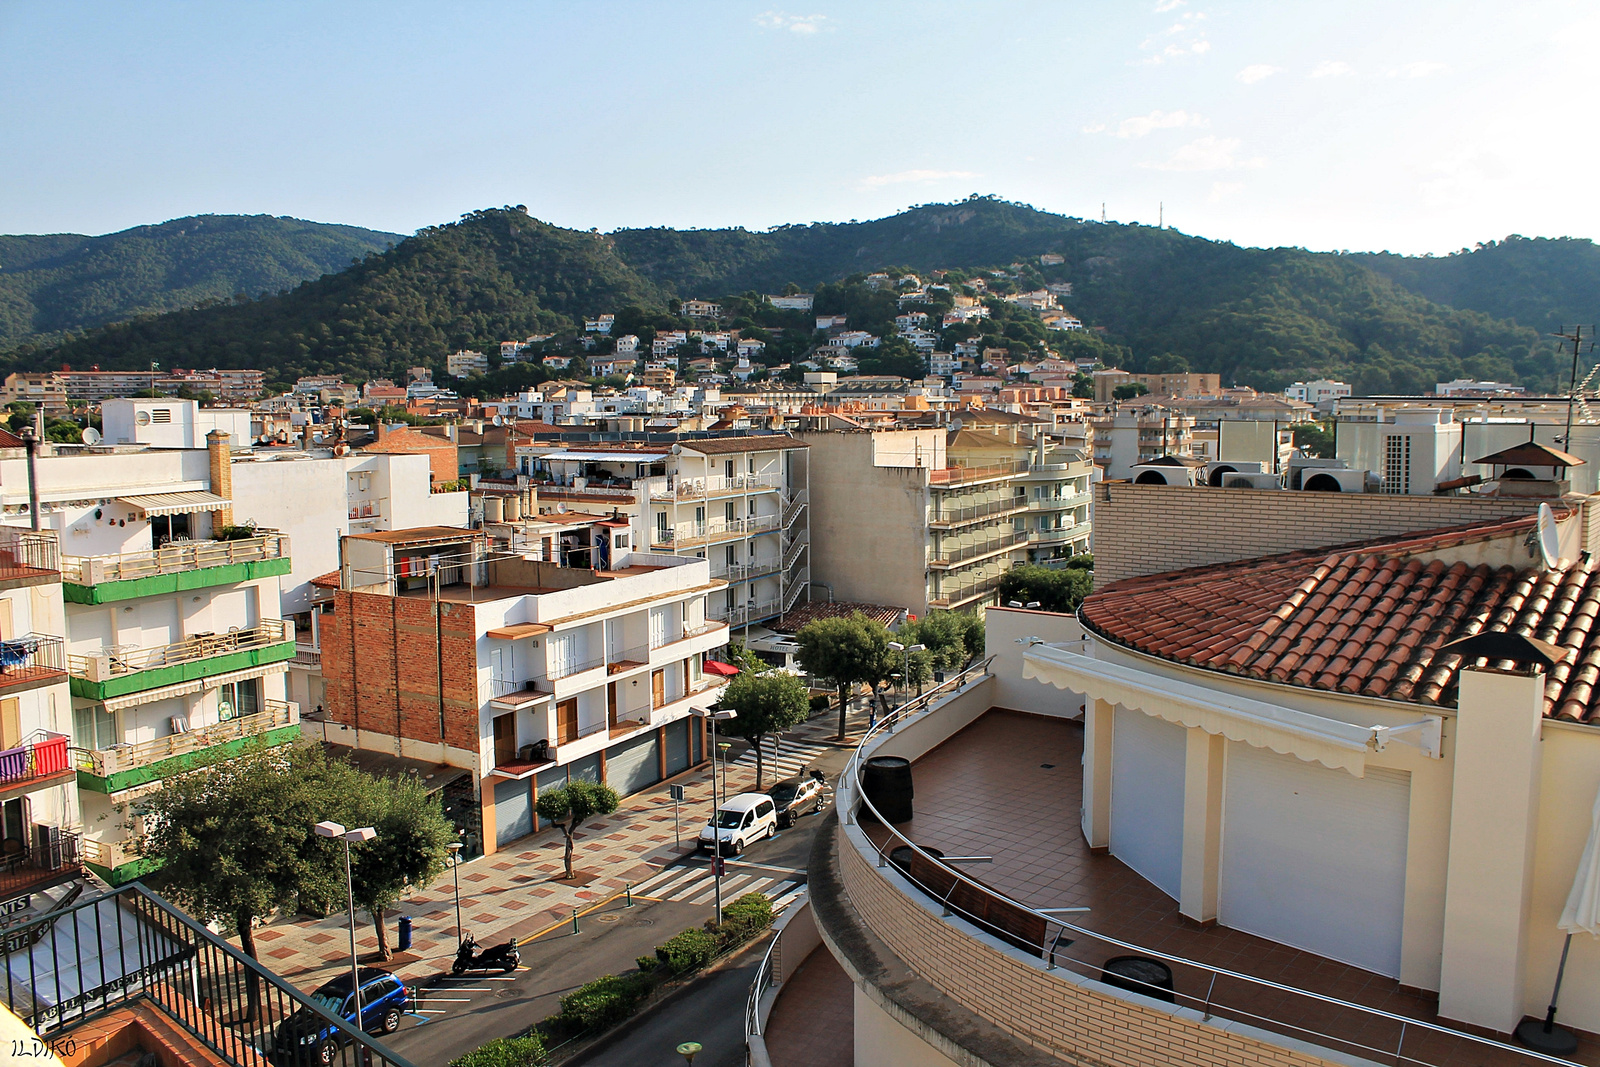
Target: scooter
x=505 y=957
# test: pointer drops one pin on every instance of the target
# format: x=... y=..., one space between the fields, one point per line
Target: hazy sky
x=1415 y=127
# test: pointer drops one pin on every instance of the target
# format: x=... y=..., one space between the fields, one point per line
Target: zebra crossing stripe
x=732 y=887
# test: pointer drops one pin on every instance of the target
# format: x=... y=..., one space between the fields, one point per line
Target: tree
x=1129 y=390
x=847 y=652
x=767 y=703
x=568 y=807
x=953 y=639
x=410 y=849
x=234 y=840
x=1055 y=590
x=1314 y=439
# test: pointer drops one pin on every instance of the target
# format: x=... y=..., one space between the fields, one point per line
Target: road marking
x=426 y=1011
x=449 y=1000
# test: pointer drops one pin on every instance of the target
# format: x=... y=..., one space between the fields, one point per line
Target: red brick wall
x=441 y=453
x=381 y=657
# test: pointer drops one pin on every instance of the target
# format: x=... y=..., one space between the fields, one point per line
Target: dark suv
x=306 y=1039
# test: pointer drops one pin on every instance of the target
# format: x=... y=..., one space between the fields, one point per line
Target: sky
x=1407 y=126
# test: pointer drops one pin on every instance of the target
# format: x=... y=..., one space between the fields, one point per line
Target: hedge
x=505 y=1052
x=688 y=951
x=605 y=1001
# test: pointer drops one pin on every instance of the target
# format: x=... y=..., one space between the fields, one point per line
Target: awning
x=608 y=457
x=199 y=685
x=176 y=503
x=519 y=629
x=1313 y=738
x=725 y=670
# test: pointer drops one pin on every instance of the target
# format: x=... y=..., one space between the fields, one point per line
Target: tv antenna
x=1578 y=342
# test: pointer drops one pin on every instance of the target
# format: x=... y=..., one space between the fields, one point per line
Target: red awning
x=726 y=670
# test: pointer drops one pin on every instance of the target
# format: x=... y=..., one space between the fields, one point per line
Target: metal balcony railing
x=627 y=658
x=172 y=558
x=722 y=485
x=43 y=755
x=28 y=553
x=30 y=658
x=954 y=516
x=949 y=476
x=689 y=533
x=796 y=504
x=43 y=860
x=128 y=946
x=129 y=659
x=949 y=557
x=739 y=614
x=104 y=762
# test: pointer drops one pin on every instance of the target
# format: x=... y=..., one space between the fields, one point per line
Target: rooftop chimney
x=221 y=462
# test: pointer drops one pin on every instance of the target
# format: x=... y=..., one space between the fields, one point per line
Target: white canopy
x=1582 y=913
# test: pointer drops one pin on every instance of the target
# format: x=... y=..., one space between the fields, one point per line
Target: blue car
x=305 y=1039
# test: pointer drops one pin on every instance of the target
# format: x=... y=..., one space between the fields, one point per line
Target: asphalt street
x=455 y=1015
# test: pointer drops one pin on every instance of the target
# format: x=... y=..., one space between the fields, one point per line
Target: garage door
x=1315 y=858
x=677 y=747
x=1147 y=761
x=513 y=811
x=634 y=764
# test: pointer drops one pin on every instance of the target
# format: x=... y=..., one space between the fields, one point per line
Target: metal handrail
x=886 y=725
x=758 y=989
x=109 y=664
x=172 y=558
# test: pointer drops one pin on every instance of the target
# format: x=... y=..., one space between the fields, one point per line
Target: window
x=620 y=541
x=764 y=808
x=239 y=699
x=1397 y=463
x=94 y=727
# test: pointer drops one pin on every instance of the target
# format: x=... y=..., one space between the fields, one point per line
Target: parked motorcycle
x=504 y=957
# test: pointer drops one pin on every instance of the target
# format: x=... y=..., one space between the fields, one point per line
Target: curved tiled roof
x=1365 y=619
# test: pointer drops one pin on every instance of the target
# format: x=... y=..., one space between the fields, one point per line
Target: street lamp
x=356 y=836
x=907 y=649
x=716 y=842
x=454 y=848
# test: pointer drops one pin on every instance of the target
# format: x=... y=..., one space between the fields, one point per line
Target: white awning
x=176 y=503
x=199 y=685
x=609 y=457
x=1313 y=738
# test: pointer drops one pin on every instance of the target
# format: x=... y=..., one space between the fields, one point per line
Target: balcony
x=950 y=557
x=712 y=531
x=741 y=614
x=110 y=770
x=125 y=669
x=31 y=661
x=953 y=476
x=945 y=518
x=743 y=572
x=39 y=763
x=173 y=568
x=54 y=856
x=1051 y=537
x=28 y=557
x=966 y=593
x=116 y=862
x=627 y=659
x=689 y=632
x=722 y=485
x=1059 y=503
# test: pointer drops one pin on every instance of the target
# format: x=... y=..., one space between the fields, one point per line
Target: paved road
x=711 y=1012
x=456 y=1015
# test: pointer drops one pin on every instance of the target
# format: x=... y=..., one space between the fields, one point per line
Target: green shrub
x=820 y=702
x=605 y=1001
x=505 y=1052
x=688 y=951
x=646 y=964
x=742 y=920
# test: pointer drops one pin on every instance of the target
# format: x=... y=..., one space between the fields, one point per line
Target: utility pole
x=1161 y=215
x=1578 y=341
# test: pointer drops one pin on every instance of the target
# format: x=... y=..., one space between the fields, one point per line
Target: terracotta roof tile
x=1365 y=618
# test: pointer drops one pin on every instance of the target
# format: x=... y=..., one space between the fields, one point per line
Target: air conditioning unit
x=1162 y=474
x=1332 y=480
x=1253 y=480
x=1218 y=469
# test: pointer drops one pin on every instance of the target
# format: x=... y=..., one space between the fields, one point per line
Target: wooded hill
x=54 y=283
x=1262 y=317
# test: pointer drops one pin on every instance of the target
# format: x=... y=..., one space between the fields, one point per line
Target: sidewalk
x=513 y=892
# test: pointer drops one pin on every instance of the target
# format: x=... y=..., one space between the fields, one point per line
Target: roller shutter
x=1148 y=756
x=633 y=765
x=513 y=811
x=678 y=746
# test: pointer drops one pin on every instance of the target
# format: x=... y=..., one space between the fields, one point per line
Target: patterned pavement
x=516 y=892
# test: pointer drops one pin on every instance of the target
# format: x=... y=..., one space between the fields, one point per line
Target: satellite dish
x=677 y=450
x=91 y=436
x=1549 y=540
x=498 y=421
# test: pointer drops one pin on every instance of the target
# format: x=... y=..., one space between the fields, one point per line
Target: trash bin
x=1140 y=974
x=405 y=933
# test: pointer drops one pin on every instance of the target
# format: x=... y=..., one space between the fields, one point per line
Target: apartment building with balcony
x=525 y=672
x=740 y=502
x=932 y=518
x=40 y=827
x=167 y=630
x=1127 y=438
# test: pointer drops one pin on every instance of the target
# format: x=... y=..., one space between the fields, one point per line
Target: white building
x=797 y=302
x=1316 y=392
x=465 y=363
x=170 y=423
x=600 y=324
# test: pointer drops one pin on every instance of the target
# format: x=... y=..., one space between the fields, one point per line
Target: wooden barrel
x=886 y=782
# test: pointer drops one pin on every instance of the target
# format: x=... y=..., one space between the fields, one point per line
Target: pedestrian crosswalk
x=793 y=758
x=696 y=884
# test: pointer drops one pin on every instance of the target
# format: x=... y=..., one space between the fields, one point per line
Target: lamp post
x=907 y=650
x=716 y=841
x=454 y=848
x=356 y=836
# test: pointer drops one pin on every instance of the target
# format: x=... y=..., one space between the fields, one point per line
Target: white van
x=741 y=821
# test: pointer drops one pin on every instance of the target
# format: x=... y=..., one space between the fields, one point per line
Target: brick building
x=405 y=440
x=526 y=670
